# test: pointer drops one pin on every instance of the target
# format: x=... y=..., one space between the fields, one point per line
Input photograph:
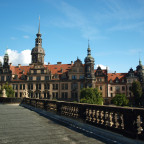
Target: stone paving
x=22 y=126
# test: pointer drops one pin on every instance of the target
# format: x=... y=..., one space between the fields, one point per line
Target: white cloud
x=1 y=58
x=102 y=66
x=23 y=58
x=13 y=38
x=26 y=37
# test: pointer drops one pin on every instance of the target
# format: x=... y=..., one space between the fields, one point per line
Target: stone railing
x=123 y=120
x=8 y=100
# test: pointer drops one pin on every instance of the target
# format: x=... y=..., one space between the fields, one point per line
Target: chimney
x=19 y=65
x=59 y=63
x=115 y=72
x=10 y=64
x=48 y=63
x=71 y=62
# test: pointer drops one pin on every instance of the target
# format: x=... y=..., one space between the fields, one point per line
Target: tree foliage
x=137 y=92
x=9 y=90
x=120 y=100
x=91 y=96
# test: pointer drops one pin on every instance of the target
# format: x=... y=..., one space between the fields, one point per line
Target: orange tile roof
x=113 y=76
x=59 y=69
x=19 y=70
x=55 y=69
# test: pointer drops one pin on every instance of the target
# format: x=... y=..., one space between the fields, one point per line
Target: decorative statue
x=4 y=93
x=25 y=93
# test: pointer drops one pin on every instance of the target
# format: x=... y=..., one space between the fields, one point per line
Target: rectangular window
x=74 y=77
x=117 y=89
x=20 y=94
x=30 y=86
x=46 y=77
x=20 y=86
x=24 y=86
x=2 y=78
x=16 y=95
x=111 y=94
x=30 y=78
x=55 y=86
x=111 y=88
x=36 y=86
x=81 y=86
x=53 y=95
x=56 y=95
x=100 y=87
x=42 y=71
x=15 y=86
x=64 y=95
x=38 y=78
x=35 y=71
x=46 y=86
x=64 y=86
x=74 y=95
x=81 y=77
x=74 y=86
x=123 y=88
x=8 y=78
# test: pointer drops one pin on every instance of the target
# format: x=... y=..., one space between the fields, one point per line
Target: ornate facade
x=64 y=81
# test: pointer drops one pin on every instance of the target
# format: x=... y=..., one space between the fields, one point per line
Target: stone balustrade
x=124 y=120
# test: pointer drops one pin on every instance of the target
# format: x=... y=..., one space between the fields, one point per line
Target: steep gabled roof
x=113 y=76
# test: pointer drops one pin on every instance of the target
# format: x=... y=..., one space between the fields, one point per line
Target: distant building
x=64 y=81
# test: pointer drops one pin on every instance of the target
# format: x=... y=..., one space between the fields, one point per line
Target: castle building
x=64 y=81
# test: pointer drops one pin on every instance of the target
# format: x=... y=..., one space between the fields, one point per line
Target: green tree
x=120 y=100
x=137 y=92
x=91 y=96
x=9 y=90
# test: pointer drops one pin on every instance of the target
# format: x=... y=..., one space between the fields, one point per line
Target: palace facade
x=64 y=81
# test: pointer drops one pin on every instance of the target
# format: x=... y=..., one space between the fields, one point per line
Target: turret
x=6 y=59
x=89 y=64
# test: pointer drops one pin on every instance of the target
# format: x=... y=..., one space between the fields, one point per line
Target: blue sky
x=115 y=29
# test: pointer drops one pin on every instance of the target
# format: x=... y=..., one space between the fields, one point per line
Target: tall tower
x=89 y=64
x=6 y=60
x=38 y=52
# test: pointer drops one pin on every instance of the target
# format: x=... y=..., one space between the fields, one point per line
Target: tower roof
x=39 y=26
x=89 y=57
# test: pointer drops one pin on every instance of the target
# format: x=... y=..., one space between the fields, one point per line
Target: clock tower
x=89 y=64
x=38 y=52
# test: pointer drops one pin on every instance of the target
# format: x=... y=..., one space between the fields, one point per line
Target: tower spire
x=89 y=50
x=39 y=26
x=140 y=63
x=88 y=44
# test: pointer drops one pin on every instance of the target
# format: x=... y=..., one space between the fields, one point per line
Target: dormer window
x=111 y=81
x=117 y=80
x=123 y=80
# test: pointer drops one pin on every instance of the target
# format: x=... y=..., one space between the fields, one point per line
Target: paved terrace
x=19 y=125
